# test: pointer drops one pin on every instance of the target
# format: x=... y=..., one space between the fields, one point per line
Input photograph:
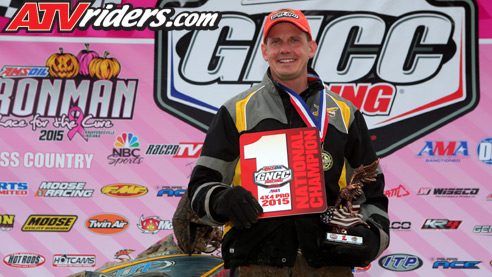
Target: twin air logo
x=272 y=176
x=107 y=224
x=24 y=260
x=126 y=150
x=63 y=189
x=6 y=222
x=34 y=17
x=74 y=260
x=402 y=65
x=153 y=224
x=124 y=190
x=49 y=223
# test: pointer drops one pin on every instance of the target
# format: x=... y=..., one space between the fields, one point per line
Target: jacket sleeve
x=374 y=203
x=214 y=170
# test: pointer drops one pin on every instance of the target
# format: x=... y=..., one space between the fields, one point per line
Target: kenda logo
x=404 y=65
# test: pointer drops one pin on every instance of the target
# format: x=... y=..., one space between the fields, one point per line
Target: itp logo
x=484 y=151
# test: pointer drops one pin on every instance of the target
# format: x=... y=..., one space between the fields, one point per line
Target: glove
x=358 y=255
x=237 y=205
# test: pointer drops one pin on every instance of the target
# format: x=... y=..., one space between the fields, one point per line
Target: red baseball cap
x=286 y=15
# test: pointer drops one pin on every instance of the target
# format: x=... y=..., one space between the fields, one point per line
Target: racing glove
x=358 y=255
x=237 y=205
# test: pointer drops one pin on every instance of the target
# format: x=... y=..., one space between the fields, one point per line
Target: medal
x=326 y=159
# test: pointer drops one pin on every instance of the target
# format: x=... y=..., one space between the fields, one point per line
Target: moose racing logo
x=407 y=65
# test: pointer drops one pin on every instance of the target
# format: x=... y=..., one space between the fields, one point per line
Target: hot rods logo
x=24 y=260
x=73 y=95
x=401 y=66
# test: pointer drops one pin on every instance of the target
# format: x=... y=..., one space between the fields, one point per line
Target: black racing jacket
x=275 y=241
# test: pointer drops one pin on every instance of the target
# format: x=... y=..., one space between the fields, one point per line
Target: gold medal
x=326 y=158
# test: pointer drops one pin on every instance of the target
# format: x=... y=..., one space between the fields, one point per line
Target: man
x=291 y=245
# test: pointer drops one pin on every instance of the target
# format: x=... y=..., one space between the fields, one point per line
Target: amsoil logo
x=107 y=224
x=400 y=191
x=126 y=150
x=400 y=65
x=181 y=150
x=6 y=222
x=124 y=190
x=153 y=224
x=49 y=223
x=74 y=260
x=24 y=260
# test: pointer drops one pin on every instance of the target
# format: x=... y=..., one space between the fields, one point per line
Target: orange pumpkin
x=63 y=65
x=104 y=68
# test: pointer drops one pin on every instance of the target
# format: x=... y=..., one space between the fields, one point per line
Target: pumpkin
x=104 y=68
x=85 y=57
x=63 y=65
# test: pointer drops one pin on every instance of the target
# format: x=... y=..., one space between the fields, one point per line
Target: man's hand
x=237 y=205
x=358 y=255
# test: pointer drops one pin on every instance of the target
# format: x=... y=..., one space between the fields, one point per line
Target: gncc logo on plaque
x=283 y=170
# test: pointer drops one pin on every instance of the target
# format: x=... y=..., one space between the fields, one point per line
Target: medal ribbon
x=307 y=116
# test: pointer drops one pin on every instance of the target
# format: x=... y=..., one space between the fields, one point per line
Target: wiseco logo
x=107 y=224
x=441 y=224
x=124 y=190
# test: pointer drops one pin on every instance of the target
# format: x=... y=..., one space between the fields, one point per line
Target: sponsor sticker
x=107 y=224
x=49 y=223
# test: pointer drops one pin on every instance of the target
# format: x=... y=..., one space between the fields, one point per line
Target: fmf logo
x=124 y=190
x=107 y=224
x=126 y=151
x=6 y=222
x=413 y=66
x=181 y=150
x=400 y=262
x=24 y=260
x=441 y=224
x=153 y=224
x=13 y=188
x=440 y=151
x=49 y=223
x=74 y=260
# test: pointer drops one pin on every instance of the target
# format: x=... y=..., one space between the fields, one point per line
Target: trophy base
x=343 y=239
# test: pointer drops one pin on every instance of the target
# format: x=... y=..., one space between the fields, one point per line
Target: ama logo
x=126 y=150
x=440 y=151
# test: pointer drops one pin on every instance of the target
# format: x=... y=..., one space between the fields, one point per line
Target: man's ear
x=312 y=48
x=264 y=51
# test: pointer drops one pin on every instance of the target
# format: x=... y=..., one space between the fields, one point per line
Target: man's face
x=287 y=51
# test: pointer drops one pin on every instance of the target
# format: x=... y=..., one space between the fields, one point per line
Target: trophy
x=344 y=214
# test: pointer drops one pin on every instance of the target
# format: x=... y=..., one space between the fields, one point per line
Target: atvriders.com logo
x=410 y=70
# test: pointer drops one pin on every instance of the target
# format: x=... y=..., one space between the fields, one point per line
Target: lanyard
x=322 y=121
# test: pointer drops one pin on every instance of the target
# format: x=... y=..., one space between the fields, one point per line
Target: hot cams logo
x=49 y=223
x=413 y=67
x=74 y=260
x=72 y=95
x=6 y=222
x=153 y=224
x=24 y=260
x=126 y=150
x=63 y=189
